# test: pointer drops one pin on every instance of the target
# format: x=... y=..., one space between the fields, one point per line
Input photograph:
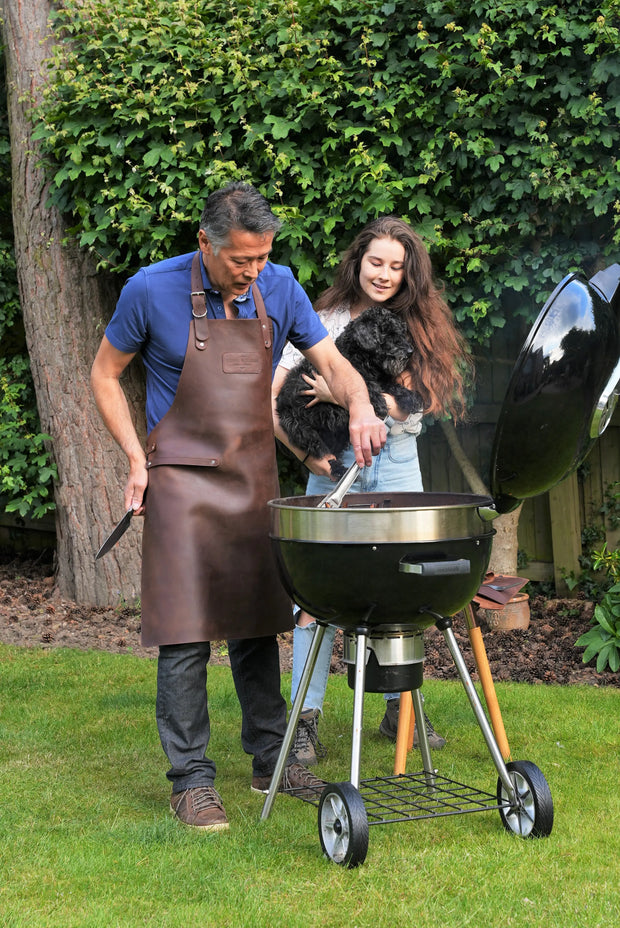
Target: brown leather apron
x=208 y=572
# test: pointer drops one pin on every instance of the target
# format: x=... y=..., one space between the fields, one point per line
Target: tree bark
x=66 y=305
x=504 y=555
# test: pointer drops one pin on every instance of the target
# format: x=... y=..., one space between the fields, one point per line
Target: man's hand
x=135 y=488
x=367 y=432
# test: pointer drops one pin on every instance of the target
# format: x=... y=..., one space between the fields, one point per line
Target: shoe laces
x=205 y=797
x=307 y=734
x=297 y=776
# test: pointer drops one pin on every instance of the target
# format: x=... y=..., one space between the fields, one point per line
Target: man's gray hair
x=236 y=206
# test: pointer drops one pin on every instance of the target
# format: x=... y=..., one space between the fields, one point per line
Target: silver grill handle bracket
x=434 y=568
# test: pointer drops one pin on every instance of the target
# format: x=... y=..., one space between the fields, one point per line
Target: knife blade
x=117 y=532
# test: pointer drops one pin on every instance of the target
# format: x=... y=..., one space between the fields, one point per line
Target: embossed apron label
x=241 y=363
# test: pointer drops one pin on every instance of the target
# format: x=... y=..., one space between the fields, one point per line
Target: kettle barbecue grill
x=385 y=567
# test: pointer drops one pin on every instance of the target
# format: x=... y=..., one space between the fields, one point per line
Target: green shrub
x=491 y=127
x=603 y=640
x=605 y=517
x=26 y=469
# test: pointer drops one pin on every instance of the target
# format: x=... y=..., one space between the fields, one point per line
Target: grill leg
x=486 y=680
x=289 y=735
x=358 y=708
x=445 y=626
x=425 y=750
x=404 y=734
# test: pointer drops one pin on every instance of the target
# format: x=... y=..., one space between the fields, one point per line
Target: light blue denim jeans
x=302 y=639
x=396 y=469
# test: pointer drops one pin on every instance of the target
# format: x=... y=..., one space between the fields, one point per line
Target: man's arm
x=111 y=402
x=366 y=431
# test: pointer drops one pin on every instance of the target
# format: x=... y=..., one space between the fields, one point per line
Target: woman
x=386 y=264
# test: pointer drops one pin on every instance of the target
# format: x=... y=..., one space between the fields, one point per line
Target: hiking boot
x=306 y=747
x=389 y=727
x=201 y=807
x=296 y=777
x=435 y=740
x=389 y=723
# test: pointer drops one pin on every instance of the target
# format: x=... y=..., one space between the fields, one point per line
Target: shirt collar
x=243 y=298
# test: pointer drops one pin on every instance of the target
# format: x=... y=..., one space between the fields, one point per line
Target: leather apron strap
x=208 y=572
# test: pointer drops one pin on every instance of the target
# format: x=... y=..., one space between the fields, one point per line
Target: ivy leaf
x=280 y=127
x=495 y=161
x=504 y=133
x=75 y=154
x=156 y=154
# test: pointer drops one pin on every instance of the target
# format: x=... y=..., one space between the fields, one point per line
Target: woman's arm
x=319 y=466
x=366 y=431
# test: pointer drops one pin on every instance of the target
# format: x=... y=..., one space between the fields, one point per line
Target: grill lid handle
x=434 y=568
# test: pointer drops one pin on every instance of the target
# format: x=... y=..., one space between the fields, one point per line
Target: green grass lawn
x=86 y=838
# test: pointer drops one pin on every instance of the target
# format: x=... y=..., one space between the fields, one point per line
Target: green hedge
x=491 y=127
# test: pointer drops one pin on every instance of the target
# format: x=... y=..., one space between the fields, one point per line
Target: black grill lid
x=562 y=391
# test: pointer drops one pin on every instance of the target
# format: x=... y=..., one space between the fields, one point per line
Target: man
x=211 y=327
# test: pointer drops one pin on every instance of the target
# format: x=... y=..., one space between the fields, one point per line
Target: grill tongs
x=334 y=499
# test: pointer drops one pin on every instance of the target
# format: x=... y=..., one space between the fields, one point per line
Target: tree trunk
x=505 y=544
x=65 y=306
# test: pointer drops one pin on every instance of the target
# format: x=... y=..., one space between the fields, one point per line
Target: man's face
x=236 y=265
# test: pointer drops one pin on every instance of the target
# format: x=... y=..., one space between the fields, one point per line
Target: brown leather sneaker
x=201 y=807
x=297 y=780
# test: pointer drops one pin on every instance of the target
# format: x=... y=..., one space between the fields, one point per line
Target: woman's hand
x=317 y=390
x=320 y=466
x=393 y=409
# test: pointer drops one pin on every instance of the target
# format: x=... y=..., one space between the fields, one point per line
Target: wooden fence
x=551 y=525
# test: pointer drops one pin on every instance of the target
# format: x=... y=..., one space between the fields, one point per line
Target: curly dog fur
x=378 y=345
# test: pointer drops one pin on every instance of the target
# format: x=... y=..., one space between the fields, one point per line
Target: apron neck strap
x=199 y=305
x=199 y=308
x=261 y=312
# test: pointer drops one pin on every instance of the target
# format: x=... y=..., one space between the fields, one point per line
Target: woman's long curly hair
x=441 y=365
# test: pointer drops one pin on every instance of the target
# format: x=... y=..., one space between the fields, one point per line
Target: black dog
x=378 y=345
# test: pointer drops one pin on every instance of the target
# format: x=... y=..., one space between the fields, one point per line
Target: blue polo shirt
x=154 y=311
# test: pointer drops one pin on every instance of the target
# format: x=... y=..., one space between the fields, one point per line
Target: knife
x=117 y=532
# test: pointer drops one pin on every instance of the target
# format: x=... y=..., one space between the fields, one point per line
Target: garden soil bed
x=32 y=614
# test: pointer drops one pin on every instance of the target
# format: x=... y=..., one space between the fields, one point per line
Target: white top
x=335 y=320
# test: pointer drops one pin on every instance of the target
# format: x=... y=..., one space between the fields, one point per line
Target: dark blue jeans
x=183 y=714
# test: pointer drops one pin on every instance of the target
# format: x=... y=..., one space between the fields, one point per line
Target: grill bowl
x=388 y=561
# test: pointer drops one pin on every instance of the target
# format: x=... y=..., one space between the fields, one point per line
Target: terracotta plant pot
x=515 y=614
